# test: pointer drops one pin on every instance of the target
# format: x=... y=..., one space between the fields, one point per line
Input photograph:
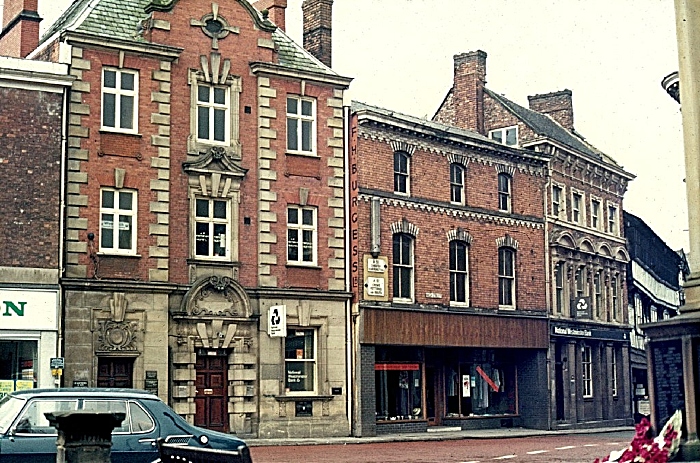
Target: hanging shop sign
x=277 y=321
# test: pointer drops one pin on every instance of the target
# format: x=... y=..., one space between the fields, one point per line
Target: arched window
x=401 y=172
x=456 y=183
x=403 y=266
x=506 y=277
x=459 y=272
x=504 y=192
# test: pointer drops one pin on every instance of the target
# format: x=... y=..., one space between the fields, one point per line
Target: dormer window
x=506 y=136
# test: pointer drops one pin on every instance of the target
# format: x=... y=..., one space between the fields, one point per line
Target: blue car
x=27 y=436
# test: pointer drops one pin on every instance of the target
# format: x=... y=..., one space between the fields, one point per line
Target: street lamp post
x=673 y=350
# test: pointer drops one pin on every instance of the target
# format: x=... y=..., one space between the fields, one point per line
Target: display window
x=18 y=363
x=300 y=361
x=479 y=389
x=399 y=391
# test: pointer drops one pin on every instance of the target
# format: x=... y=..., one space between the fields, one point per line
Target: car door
x=134 y=440
x=31 y=437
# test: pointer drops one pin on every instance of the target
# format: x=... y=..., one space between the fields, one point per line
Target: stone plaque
x=667 y=359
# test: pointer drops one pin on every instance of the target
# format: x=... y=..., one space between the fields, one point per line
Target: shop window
x=18 y=363
x=613 y=373
x=480 y=389
x=300 y=361
x=398 y=391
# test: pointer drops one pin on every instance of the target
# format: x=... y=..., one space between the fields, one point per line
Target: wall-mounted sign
x=277 y=321
x=376 y=274
x=28 y=310
x=581 y=307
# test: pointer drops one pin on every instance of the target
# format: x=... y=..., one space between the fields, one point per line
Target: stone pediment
x=216 y=296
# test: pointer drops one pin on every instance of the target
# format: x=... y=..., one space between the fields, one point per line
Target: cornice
x=144 y=48
x=261 y=68
x=462 y=213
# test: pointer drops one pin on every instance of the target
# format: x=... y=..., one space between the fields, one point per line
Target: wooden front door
x=210 y=399
x=115 y=372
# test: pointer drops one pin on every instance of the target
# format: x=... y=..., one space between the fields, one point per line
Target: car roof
x=85 y=392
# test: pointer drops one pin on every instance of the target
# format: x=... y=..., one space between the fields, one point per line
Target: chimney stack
x=275 y=10
x=558 y=105
x=317 y=28
x=468 y=90
x=20 y=28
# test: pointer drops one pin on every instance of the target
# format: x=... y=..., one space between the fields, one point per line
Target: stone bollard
x=84 y=436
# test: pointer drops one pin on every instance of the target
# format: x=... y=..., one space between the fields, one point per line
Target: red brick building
x=205 y=203
x=450 y=283
x=32 y=159
x=587 y=257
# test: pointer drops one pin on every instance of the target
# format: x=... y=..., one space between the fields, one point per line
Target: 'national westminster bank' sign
x=28 y=309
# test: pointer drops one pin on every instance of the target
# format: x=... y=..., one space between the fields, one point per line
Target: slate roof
x=547 y=127
x=121 y=19
x=437 y=126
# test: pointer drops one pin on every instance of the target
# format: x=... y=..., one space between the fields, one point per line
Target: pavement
x=435 y=434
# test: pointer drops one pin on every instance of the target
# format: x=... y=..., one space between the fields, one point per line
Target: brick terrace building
x=451 y=319
x=587 y=256
x=205 y=185
x=32 y=159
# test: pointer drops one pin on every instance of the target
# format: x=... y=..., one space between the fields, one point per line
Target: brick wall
x=30 y=135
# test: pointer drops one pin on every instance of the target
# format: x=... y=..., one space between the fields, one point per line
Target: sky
x=612 y=55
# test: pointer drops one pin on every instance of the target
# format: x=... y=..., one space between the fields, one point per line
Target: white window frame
x=501 y=135
x=212 y=222
x=598 y=289
x=298 y=118
x=459 y=274
x=507 y=194
x=120 y=93
x=313 y=360
x=212 y=107
x=117 y=212
x=613 y=373
x=559 y=287
x=457 y=185
x=596 y=212
x=577 y=207
x=507 y=275
x=300 y=227
x=558 y=203
x=613 y=224
x=587 y=371
x=614 y=297
x=400 y=174
x=402 y=264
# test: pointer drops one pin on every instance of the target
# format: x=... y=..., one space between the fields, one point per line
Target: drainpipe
x=547 y=292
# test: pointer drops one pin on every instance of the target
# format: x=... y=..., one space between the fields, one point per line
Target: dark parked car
x=27 y=436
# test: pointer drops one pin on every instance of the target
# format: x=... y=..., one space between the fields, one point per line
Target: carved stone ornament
x=116 y=336
x=217 y=298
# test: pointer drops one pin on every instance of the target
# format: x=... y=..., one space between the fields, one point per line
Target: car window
x=141 y=421
x=9 y=407
x=109 y=406
x=33 y=420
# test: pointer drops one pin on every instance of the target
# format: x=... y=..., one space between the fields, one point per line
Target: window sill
x=111 y=254
x=202 y=261
x=402 y=420
x=292 y=398
x=119 y=132
x=303 y=153
x=506 y=307
x=303 y=266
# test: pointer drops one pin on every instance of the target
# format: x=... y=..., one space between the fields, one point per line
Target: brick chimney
x=317 y=28
x=20 y=28
x=275 y=10
x=558 y=105
x=468 y=90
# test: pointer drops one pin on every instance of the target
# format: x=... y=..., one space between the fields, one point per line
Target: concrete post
x=84 y=436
